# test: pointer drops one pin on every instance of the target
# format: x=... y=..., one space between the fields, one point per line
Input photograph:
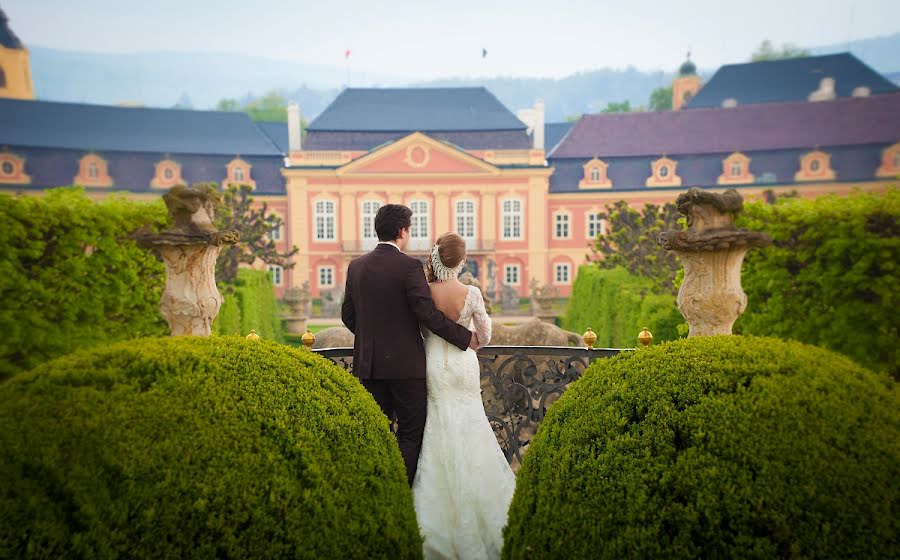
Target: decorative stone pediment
x=418 y=153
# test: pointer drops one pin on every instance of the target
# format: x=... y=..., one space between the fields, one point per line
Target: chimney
x=538 y=132
x=825 y=91
x=294 y=138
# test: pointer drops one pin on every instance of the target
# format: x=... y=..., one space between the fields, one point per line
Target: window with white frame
x=563 y=273
x=277 y=274
x=324 y=220
x=465 y=219
x=367 y=226
x=595 y=225
x=511 y=274
x=561 y=226
x=238 y=174
x=418 y=231
x=512 y=219
x=326 y=276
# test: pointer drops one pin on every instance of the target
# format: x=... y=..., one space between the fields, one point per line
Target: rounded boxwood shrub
x=718 y=447
x=202 y=448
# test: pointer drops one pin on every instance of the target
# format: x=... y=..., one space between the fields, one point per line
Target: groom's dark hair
x=390 y=219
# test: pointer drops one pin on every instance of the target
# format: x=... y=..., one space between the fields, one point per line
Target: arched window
x=595 y=175
x=238 y=173
x=736 y=170
x=367 y=223
x=465 y=219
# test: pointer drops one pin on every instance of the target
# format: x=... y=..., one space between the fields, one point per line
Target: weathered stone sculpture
x=297 y=299
x=712 y=251
x=542 y=301
x=189 y=249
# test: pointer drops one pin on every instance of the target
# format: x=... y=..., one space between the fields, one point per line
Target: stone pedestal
x=298 y=299
x=189 y=249
x=542 y=301
x=712 y=251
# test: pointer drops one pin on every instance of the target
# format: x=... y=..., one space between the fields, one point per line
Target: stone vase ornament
x=542 y=300
x=189 y=249
x=298 y=299
x=712 y=251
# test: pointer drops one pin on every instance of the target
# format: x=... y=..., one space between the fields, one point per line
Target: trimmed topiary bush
x=718 y=447
x=249 y=304
x=199 y=447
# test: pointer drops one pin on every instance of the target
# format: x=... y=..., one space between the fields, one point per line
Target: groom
x=385 y=301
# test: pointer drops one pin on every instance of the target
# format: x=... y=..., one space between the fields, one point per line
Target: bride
x=463 y=484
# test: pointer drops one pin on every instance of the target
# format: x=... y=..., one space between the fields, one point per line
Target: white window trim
x=568 y=268
x=601 y=226
x=568 y=216
x=277 y=278
x=474 y=216
x=368 y=243
x=334 y=220
x=322 y=269
x=421 y=242
x=506 y=268
x=503 y=214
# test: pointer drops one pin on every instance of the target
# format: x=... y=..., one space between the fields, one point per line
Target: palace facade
x=525 y=194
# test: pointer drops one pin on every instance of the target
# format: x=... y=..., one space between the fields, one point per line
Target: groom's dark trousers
x=385 y=300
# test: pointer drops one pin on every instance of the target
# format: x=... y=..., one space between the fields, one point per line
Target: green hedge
x=199 y=447
x=617 y=305
x=70 y=277
x=715 y=447
x=248 y=305
x=832 y=277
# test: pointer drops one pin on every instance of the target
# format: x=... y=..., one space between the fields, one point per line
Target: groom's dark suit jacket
x=385 y=301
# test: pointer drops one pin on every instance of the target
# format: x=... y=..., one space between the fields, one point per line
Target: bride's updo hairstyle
x=450 y=252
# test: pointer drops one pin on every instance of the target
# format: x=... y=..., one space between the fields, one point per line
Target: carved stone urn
x=542 y=300
x=189 y=249
x=712 y=251
x=297 y=299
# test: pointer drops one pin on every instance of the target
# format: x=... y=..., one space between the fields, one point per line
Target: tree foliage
x=249 y=304
x=239 y=211
x=832 y=277
x=660 y=99
x=768 y=51
x=617 y=107
x=271 y=107
x=630 y=242
x=71 y=277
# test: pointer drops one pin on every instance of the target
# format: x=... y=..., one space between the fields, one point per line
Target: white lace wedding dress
x=463 y=484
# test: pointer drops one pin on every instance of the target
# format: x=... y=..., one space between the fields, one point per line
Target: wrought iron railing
x=518 y=385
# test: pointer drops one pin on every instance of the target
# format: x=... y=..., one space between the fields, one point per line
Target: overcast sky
x=444 y=38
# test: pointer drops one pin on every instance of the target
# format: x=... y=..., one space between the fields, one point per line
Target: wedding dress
x=463 y=485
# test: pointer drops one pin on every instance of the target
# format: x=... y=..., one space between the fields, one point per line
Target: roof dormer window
x=92 y=172
x=815 y=166
x=12 y=170
x=663 y=173
x=238 y=173
x=736 y=170
x=890 y=162
x=595 y=176
x=168 y=174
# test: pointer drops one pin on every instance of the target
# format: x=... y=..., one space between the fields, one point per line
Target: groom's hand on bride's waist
x=473 y=343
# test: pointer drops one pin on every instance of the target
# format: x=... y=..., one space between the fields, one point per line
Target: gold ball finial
x=252 y=335
x=645 y=337
x=589 y=337
x=308 y=339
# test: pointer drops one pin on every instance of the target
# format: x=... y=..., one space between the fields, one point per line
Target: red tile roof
x=840 y=122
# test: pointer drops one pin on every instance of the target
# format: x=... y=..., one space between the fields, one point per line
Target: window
x=595 y=175
x=168 y=174
x=2 y=77
x=238 y=174
x=92 y=170
x=326 y=276
x=511 y=274
x=562 y=273
x=277 y=272
x=418 y=231
x=465 y=219
x=7 y=168
x=736 y=169
x=325 y=220
x=897 y=160
x=561 y=226
x=367 y=226
x=664 y=171
x=815 y=165
x=275 y=234
x=595 y=225
x=512 y=219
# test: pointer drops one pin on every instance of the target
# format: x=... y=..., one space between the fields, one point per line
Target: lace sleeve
x=480 y=318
